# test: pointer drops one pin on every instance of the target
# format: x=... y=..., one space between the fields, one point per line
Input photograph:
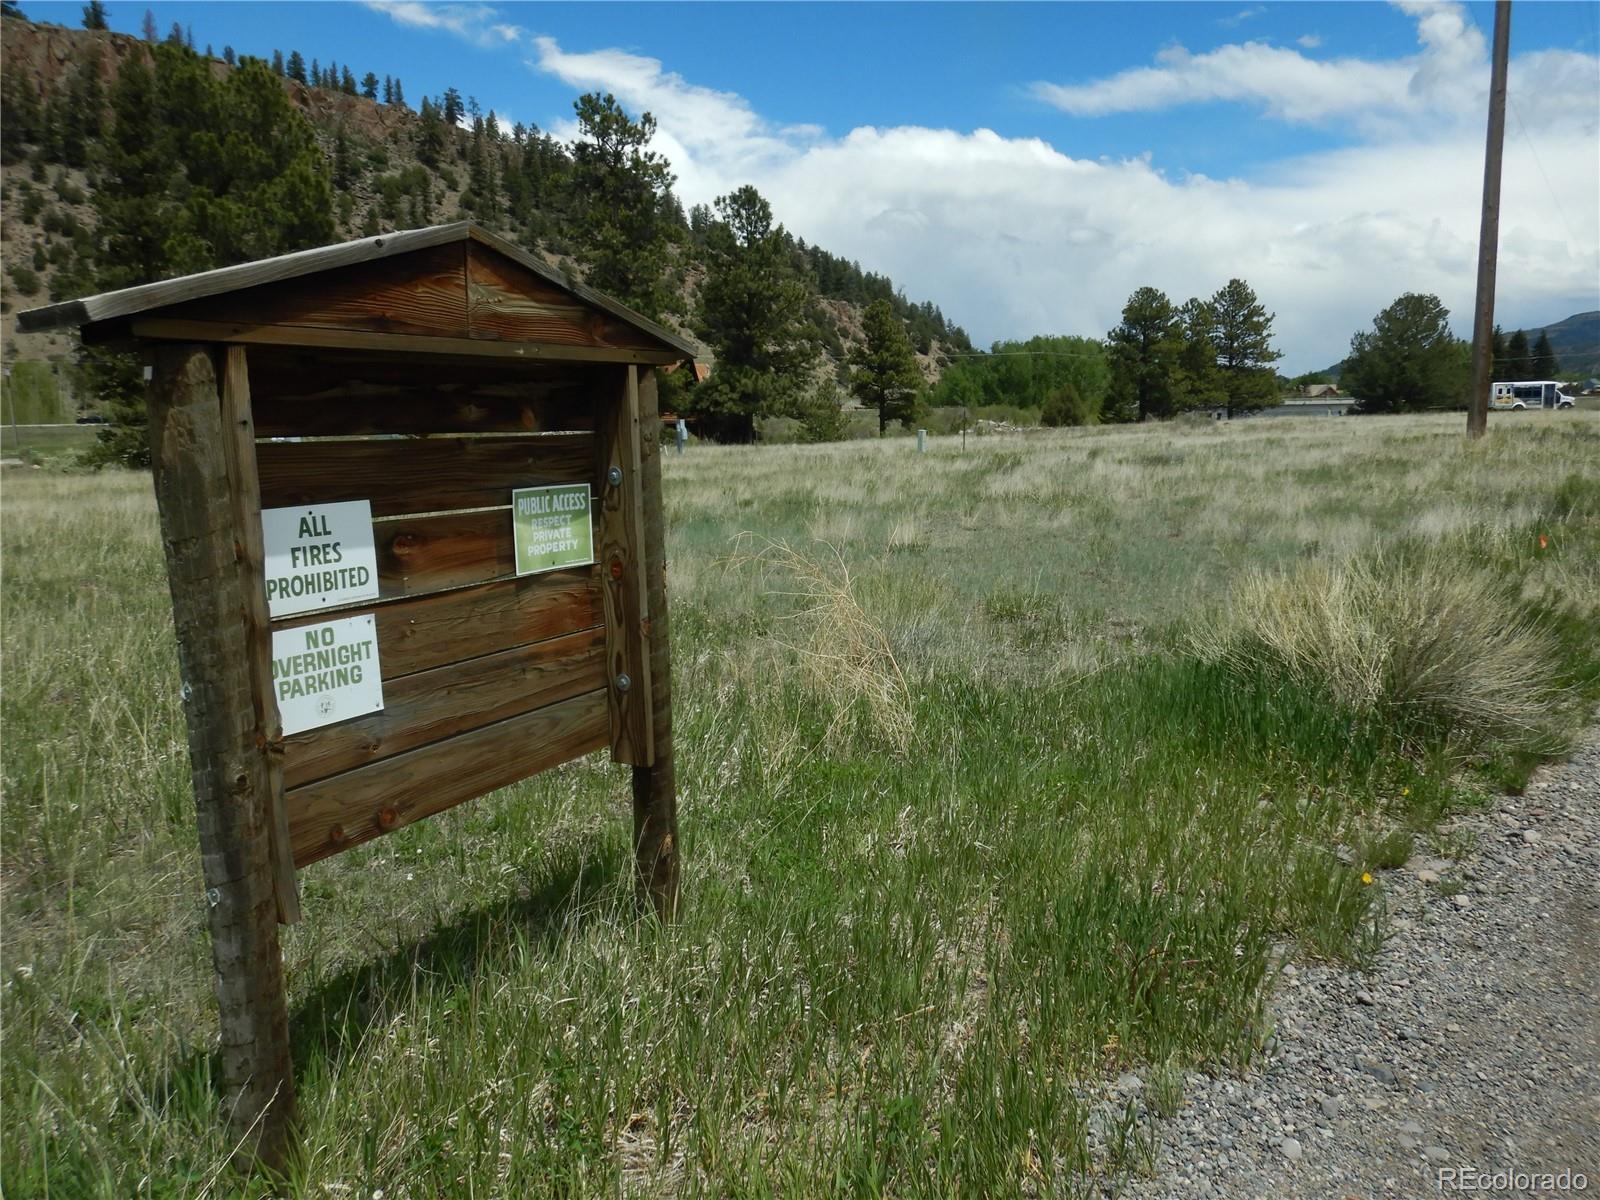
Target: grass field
x=1000 y=772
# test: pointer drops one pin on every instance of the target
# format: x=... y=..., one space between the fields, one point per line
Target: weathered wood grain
x=429 y=706
x=655 y=794
x=422 y=293
x=229 y=769
x=508 y=302
x=418 y=555
x=405 y=476
x=621 y=563
x=158 y=328
x=239 y=451
x=347 y=809
x=357 y=409
x=431 y=631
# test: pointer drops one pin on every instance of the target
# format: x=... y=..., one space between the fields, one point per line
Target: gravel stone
x=1488 y=1017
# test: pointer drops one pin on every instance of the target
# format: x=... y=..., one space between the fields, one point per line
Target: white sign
x=318 y=556
x=326 y=673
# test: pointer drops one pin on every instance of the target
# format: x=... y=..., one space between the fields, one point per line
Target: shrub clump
x=1425 y=640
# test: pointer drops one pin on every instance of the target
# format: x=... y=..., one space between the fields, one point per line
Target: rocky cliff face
x=45 y=201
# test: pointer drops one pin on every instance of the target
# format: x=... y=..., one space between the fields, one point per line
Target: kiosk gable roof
x=506 y=295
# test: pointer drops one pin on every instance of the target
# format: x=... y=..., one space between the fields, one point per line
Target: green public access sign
x=551 y=527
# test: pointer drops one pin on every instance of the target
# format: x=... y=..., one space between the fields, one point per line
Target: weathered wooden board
x=402 y=475
x=418 y=555
x=428 y=706
x=622 y=566
x=356 y=409
x=431 y=631
x=166 y=329
x=508 y=302
x=421 y=293
x=356 y=806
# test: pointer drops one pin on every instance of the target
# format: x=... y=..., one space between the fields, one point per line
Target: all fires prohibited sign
x=551 y=527
x=318 y=556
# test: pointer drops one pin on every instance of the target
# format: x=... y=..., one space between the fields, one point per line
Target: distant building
x=1320 y=391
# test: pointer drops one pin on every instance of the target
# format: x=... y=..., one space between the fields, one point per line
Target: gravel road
x=1474 y=1045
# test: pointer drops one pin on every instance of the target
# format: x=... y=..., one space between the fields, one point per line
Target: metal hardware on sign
x=615 y=476
x=623 y=683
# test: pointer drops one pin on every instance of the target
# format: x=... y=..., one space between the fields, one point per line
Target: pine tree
x=1545 y=363
x=399 y=94
x=752 y=312
x=277 y=63
x=1198 y=378
x=1499 y=352
x=1241 y=331
x=1145 y=350
x=388 y=90
x=94 y=15
x=452 y=108
x=619 y=186
x=1519 y=359
x=1410 y=360
x=884 y=372
x=149 y=26
x=296 y=69
x=347 y=82
x=369 y=86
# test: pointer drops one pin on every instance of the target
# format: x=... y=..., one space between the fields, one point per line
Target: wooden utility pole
x=1489 y=231
x=231 y=779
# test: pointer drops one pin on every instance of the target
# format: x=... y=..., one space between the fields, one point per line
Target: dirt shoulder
x=1473 y=1046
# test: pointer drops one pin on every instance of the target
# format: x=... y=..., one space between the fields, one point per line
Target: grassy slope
x=963 y=832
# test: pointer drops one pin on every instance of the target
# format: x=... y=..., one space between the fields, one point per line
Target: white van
x=1536 y=393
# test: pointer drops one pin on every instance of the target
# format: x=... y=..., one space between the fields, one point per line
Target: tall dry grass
x=1414 y=638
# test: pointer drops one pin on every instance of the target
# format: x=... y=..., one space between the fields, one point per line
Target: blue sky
x=1027 y=166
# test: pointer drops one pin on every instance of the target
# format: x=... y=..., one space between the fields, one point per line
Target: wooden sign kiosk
x=426 y=375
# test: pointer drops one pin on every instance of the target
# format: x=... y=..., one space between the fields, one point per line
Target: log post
x=231 y=783
x=655 y=795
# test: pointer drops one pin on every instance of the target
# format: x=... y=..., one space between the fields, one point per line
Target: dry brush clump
x=1422 y=638
x=843 y=652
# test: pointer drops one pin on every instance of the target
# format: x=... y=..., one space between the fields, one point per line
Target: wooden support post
x=655 y=794
x=622 y=557
x=228 y=767
x=239 y=451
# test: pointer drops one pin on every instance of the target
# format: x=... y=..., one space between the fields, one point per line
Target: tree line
x=1410 y=361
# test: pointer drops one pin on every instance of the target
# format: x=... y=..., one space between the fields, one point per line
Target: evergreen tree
x=752 y=312
x=1545 y=363
x=1499 y=353
x=277 y=63
x=296 y=68
x=1145 y=350
x=10 y=9
x=1519 y=359
x=1198 y=379
x=133 y=200
x=452 y=108
x=430 y=134
x=1241 y=331
x=399 y=95
x=149 y=26
x=369 y=86
x=343 y=171
x=388 y=90
x=884 y=372
x=347 y=83
x=94 y=15
x=1410 y=360
x=175 y=35
x=618 y=186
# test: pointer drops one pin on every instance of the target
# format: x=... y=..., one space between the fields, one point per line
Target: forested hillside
x=127 y=160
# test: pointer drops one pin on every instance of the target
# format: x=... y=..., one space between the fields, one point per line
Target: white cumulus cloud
x=1013 y=236
x=477 y=23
